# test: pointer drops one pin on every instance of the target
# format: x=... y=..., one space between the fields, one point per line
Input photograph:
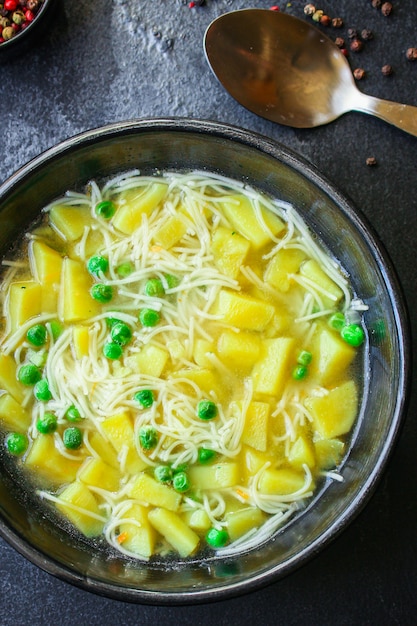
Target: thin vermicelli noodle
x=193 y=385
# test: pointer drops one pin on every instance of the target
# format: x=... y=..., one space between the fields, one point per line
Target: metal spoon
x=287 y=71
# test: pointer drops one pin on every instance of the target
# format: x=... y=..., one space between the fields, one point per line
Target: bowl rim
x=308 y=170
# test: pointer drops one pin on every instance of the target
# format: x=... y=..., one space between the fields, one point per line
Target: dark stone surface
x=108 y=61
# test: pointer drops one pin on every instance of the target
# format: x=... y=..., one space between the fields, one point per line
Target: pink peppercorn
x=10 y=5
x=29 y=15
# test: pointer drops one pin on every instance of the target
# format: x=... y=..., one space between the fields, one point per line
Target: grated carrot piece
x=122 y=537
x=242 y=494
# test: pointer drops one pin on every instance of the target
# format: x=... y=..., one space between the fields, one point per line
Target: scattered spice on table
x=411 y=54
x=387 y=70
x=359 y=73
x=371 y=161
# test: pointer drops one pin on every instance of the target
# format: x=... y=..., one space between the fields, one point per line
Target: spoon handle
x=404 y=116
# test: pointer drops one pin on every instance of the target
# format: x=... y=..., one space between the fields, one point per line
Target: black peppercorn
x=371 y=161
x=387 y=70
x=359 y=73
x=337 y=22
x=367 y=34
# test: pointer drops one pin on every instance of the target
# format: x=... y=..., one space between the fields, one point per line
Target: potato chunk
x=270 y=372
x=243 y=311
x=255 y=431
x=240 y=212
x=332 y=356
x=75 y=300
x=217 y=476
x=79 y=505
x=334 y=414
x=328 y=290
x=240 y=350
x=180 y=536
x=171 y=232
x=243 y=520
x=136 y=533
x=44 y=458
x=148 y=490
x=8 y=377
x=70 y=222
x=281 y=266
x=135 y=203
x=280 y=481
x=97 y=473
x=13 y=414
x=229 y=251
x=25 y=302
x=119 y=431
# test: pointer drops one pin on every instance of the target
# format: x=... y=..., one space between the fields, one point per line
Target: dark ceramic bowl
x=175 y=144
x=28 y=37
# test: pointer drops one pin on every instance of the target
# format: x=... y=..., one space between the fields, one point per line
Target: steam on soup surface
x=176 y=363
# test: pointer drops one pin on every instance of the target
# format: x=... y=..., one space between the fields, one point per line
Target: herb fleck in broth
x=182 y=357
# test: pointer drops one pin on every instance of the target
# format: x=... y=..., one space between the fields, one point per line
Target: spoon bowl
x=287 y=71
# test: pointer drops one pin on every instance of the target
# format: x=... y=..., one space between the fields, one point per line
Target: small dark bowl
x=26 y=39
x=175 y=144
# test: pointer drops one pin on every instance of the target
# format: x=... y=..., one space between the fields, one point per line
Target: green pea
x=41 y=390
x=148 y=437
x=217 y=538
x=47 y=423
x=206 y=410
x=121 y=333
x=29 y=374
x=205 y=455
x=154 y=288
x=299 y=372
x=98 y=265
x=17 y=443
x=124 y=270
x=101 y=292
x=163 y=473
x=37 y=334
x=56 y=329
x=105 y=209
x=171 y=281
x=145 y=398
x=72 y=414
x=111 y=321
x=149 y=317
x=304 y=358
x=181 y=482
x=72 y=438
x=112 y=350
x=337 y=321
x=353 y=334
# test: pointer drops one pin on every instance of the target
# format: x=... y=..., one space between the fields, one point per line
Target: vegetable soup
x=180 y=363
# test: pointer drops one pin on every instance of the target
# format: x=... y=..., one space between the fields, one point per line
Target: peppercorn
x=337 y=22
x=325 y=20
x=7 y=33
x=309 y=9
x=367 y=34
x=4 y=21
x=18 y=17
x=386 y=9
x=411 y=54
x=356 y=45
x=386 y=70
x=317 y=15
x=376 y=3
x=371 y=161
x=340 y=42
x=32 y=5
x=352 y=33
x=359 y=73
